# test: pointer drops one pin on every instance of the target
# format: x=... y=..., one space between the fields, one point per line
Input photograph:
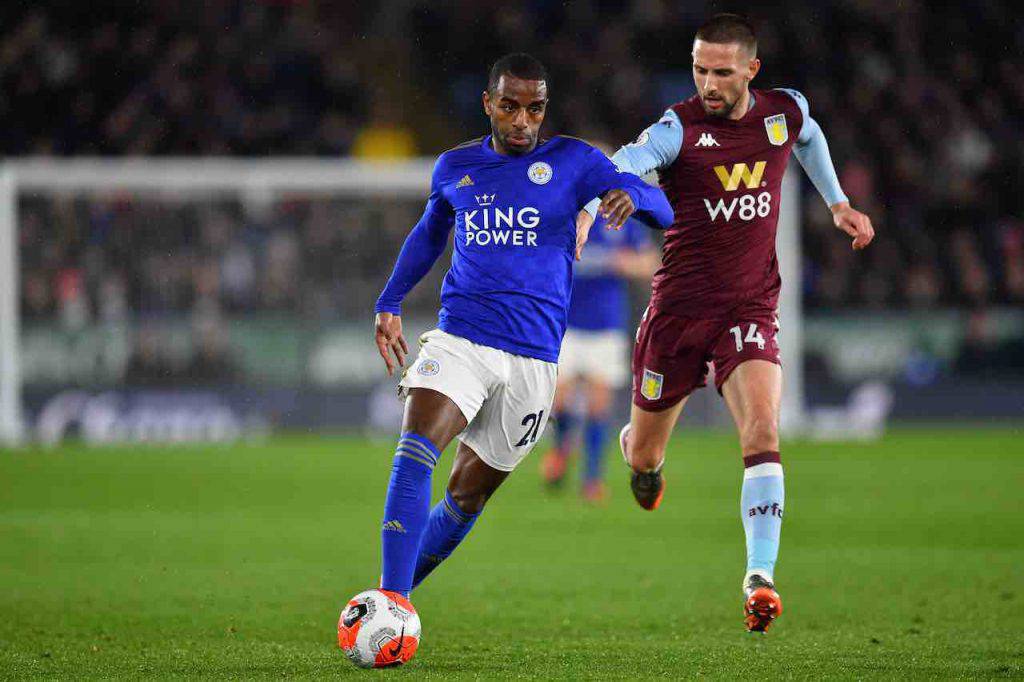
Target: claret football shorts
x=506 y=398
x=671 y=355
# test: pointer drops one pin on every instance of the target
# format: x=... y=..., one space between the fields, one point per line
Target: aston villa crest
x=650 y=386
x=776 y=128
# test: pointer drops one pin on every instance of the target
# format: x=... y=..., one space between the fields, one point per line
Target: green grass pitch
x=902 y=558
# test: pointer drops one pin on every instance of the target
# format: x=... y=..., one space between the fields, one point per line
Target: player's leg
x=471 y=484
x=502 y=433
x=431 y=421
x=595 y=435
x=753 y=392
x=669 y=362
x=643 y=441
x=445 y=388
x=556 y=459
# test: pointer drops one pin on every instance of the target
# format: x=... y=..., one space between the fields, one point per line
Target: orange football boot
x=761 y=603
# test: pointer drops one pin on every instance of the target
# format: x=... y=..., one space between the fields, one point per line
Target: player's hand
x=584 y=221
x=616 y=207
x=854 y=223
x=388 y=335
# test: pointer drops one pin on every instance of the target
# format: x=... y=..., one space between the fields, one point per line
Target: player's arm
x=622 y=195
x=811 y=150
x=655 y=148
x=422 y=248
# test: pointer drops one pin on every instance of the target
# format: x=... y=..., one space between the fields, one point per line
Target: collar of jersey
x=489 y=150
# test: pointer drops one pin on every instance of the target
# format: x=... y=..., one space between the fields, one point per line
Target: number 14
x=753 y=336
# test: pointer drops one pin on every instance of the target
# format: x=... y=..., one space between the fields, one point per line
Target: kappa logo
x=466 y=181
x=540 y=173
x=650 y=387
x=707 y=140
x=775 y=126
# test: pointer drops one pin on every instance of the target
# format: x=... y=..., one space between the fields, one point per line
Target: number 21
x=532 y=423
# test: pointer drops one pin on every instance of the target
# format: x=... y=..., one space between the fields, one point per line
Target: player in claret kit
x=487 y=373
x=721 y=156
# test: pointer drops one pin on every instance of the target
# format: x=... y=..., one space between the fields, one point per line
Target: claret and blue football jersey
x=514 y=218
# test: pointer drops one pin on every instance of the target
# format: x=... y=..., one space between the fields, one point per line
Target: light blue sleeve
x=811 y=150
x=656 y=147
x=601 y=176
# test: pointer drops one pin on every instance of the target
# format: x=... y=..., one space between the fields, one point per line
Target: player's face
x=722 y=73
x=516 y=108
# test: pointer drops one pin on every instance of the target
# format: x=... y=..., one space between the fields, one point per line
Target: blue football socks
x=447 y=527
x=405 y=510
x=594 y=437
x=761 y=505
x=565 y=426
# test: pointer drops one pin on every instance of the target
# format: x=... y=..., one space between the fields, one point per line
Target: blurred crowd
x=91 y=260
x=923 y=108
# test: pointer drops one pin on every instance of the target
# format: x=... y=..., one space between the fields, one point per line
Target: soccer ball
x=379 y=629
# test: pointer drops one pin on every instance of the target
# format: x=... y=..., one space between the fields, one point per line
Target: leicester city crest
x=539 y=173
x=429 y=367
x=650 y=387
x=776 y=128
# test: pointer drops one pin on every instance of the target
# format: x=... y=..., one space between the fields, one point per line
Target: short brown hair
x=729 y=28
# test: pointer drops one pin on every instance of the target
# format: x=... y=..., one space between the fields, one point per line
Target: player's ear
x=487 y=103
x=754 y=67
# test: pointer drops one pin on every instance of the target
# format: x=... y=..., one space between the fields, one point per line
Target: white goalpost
x=263 y=181
x=791 y=313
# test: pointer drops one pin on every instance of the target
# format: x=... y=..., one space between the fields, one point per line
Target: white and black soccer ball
x=379 y=629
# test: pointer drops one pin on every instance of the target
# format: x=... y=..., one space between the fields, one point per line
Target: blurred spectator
x=147 y=366
x=211 y=358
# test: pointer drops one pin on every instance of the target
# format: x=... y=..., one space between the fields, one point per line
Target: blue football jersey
x=600 y=295
x=514 y=220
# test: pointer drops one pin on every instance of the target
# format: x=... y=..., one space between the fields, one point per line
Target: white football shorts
x=505 y=398
x=595 y=354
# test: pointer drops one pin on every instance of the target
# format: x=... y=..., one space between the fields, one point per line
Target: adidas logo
x=394 y=525
x=466 y=181
x=706 y=140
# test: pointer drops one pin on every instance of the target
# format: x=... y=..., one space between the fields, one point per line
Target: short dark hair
x=519 y=65
x=729 y=28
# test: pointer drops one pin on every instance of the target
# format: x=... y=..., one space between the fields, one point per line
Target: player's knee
x=469 y=501
x=760 y=433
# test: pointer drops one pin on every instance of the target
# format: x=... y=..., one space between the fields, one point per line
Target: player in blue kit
x=595 y=351
x=487 y=373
